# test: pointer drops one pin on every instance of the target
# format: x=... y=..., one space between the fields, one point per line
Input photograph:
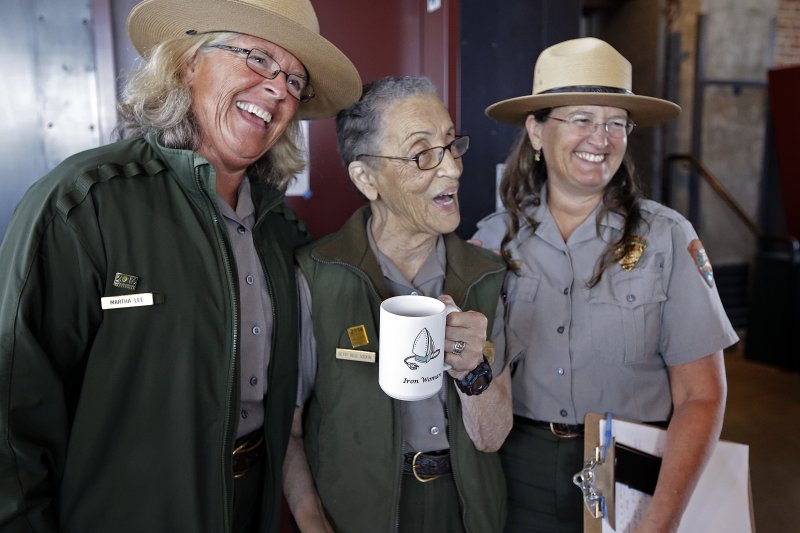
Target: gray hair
x=157 y=99
x=360 y=128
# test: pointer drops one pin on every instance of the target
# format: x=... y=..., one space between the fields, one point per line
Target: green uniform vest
x=353 y=435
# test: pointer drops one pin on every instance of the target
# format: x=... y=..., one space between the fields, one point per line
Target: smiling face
x=579 y=164
x=240 y=114
x=409 y=204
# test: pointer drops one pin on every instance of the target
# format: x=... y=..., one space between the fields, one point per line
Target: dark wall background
x=499 y=46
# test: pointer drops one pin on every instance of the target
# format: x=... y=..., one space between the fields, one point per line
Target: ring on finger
x=458 y=347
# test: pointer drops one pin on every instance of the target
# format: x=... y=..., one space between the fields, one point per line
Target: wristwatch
x=477 y=380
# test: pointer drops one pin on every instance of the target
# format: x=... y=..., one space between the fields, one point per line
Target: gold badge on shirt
x=358 y=336
x=635 y=249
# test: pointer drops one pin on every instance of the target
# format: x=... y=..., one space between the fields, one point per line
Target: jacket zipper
x=226 y=260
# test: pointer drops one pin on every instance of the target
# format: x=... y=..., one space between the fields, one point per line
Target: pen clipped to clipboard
x=623 y=461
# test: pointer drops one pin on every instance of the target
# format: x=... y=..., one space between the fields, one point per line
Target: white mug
x=411 y=346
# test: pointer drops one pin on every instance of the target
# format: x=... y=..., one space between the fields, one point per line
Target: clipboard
x=723 y=487
x=597 y=480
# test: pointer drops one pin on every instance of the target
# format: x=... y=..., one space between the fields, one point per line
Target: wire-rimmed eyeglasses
x=616 y=128
x=267 y=67
x=432 y=157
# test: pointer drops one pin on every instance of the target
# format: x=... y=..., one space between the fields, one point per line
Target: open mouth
x=444 y=199
x=253 y=109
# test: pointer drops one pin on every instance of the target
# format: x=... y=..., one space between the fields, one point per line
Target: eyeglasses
x=582 y=125
x=265 y=65
x=432 y=157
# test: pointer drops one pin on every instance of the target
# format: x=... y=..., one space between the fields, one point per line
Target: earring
x=537 y=155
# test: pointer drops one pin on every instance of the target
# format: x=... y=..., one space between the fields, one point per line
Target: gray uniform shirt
x=255 y=310
x=424 y=421
x=576 y=349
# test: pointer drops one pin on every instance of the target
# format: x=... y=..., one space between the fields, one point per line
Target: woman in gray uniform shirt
x=611 y=298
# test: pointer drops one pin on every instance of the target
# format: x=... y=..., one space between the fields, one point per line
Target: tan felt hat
x=291 y=24
x=584 y=71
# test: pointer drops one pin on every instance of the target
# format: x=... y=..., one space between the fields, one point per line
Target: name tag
x=127 y=300
x=355 y=355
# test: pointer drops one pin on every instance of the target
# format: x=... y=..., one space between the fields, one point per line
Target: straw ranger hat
x=583 y=71
x=291 y=24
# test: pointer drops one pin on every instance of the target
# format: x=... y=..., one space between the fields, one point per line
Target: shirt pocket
x=520 y=297
x=625 y=311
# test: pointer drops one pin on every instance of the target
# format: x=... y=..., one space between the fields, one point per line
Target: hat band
x=587 y=89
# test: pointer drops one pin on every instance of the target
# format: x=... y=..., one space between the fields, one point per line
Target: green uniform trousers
x=430 y=507
x=539 y=467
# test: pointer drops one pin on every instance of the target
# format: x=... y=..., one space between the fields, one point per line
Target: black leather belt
x=565 y=431
x=247 y=452
x=427 y=466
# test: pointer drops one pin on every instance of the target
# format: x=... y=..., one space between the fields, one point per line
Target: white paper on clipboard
x=721 y=501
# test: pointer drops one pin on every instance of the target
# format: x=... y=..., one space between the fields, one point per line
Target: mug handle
x=447 y=310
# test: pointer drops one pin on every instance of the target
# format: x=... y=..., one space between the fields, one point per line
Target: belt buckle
x=243 y=448
x=562 y=433
x=414 y=470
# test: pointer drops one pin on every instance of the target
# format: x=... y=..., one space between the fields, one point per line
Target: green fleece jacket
x=353 y=435
x=122 y=420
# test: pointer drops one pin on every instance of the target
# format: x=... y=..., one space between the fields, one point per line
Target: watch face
x=481 y=383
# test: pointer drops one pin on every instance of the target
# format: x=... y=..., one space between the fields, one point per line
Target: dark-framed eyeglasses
x=432 y=157
x=267 y=67
x=616 y=128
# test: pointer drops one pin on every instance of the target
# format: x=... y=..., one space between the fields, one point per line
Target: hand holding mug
x=465 y=336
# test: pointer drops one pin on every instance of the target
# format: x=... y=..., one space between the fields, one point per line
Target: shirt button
x=241 y=230
x=435 y=430
x=250 y=280
x=631 y=298
x=563 y=413
x=560 y=329
x=560 y=371
x=244 y=413
x=253 y=381
x=566 y=291
x=256 y=330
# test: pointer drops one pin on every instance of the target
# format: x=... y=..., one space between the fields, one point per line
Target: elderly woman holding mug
x=378 y=463
x=611 y=300
x=148 y=303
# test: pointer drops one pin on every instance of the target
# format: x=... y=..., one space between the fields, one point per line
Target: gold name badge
x=355 y=355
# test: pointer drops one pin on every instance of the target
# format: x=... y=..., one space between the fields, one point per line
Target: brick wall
x=787 y=33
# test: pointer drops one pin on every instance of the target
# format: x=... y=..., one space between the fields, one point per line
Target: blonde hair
x=156 y=99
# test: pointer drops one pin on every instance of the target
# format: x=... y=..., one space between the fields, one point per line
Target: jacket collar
x=195 y=174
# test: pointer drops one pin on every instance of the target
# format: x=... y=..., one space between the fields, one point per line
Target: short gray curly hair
x=359 y=128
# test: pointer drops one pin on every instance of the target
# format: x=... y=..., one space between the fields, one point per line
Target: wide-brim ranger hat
x=291 y=24
x=584 y=71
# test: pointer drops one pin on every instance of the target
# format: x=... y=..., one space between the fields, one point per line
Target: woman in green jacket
x=148 y=311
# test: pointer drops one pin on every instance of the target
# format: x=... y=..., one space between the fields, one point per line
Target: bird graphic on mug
x=423 y=350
